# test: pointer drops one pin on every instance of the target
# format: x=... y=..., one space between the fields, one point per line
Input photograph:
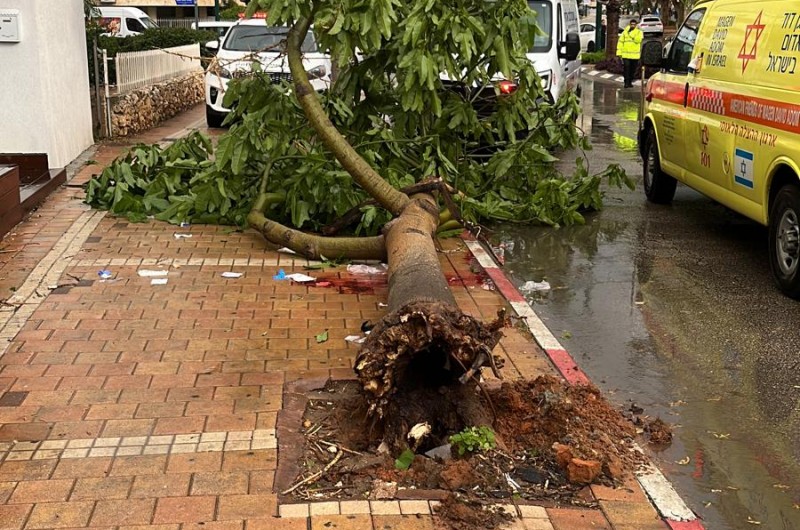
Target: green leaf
x=403 y=462
x=337 y=25
x=322 y=337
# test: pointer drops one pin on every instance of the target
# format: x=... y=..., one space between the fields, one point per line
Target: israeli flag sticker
x=743 y=168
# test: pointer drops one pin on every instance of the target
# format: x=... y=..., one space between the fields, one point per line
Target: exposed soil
x=552 y=441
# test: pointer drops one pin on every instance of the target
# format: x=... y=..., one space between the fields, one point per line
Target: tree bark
x=664 y=9
x=612 y=25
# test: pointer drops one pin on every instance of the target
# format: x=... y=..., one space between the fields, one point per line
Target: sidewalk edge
x=655 y=485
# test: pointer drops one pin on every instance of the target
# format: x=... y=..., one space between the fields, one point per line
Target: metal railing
x=138 y=69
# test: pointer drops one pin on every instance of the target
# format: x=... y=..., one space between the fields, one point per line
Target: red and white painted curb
x=661 y=493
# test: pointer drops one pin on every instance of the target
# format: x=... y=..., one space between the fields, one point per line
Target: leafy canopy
x=405 y=98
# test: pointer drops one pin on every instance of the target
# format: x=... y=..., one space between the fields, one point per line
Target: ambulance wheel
x=784 y=240
x=658 y=186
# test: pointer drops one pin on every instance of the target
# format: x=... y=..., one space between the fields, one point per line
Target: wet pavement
x=673 y=308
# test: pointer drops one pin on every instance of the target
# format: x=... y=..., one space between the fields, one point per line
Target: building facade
x=44 y=87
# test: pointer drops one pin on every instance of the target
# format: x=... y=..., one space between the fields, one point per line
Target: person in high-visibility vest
x=629 y=48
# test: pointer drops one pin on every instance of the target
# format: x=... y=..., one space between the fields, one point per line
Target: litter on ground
x=300 y=278
x=144 y=273
x=366 y=269
x=530 y=287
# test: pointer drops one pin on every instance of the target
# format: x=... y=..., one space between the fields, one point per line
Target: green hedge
x=151 y=39
x=155 y=38
x=231 y=13
x=593 y=57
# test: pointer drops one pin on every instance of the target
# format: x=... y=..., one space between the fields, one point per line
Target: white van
x=559 y=68
x=123 y=21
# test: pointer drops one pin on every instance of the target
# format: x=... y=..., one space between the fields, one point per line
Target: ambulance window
x=680 y=52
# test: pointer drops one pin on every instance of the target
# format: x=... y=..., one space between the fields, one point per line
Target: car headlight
x=222 y=72
x=317 y=72
x=547 y=79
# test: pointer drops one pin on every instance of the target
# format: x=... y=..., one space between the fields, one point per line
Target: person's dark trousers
x=629 y=71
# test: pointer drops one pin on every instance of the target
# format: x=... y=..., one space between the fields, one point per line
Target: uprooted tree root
x=420 y=365
x=342 y=457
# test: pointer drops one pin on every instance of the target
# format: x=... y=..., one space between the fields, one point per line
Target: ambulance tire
x=658 y=186
x=784 y=240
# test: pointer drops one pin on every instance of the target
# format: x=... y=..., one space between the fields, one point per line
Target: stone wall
x=148 y=106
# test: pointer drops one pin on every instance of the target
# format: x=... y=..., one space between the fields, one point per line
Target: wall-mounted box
x=9 y=25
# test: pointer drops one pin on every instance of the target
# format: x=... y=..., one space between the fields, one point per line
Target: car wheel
x=590 y=47
x=658 y=186
x=784 y=240
x=214 y=119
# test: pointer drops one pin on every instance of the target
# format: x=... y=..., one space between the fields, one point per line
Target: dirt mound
x=545 y=411
x=552 y=440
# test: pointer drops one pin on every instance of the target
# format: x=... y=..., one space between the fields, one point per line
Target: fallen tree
x=400 y=115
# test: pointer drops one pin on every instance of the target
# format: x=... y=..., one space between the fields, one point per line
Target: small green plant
x=473 y=439
x=404 y=461
x=593 y=57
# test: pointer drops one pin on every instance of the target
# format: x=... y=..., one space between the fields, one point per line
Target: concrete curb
x=600 y=75
x=655 y=485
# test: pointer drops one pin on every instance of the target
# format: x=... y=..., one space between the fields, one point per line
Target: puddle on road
x=741 y=468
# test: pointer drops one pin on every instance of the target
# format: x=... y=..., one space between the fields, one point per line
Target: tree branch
x=362 y=173
x=317 y=247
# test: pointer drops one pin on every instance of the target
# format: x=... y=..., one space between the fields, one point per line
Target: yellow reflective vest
x=629 y=45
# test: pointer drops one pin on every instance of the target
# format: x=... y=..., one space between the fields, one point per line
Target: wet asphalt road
x=673 y=308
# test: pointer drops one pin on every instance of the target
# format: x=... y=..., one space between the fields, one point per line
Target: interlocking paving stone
x=135 y=445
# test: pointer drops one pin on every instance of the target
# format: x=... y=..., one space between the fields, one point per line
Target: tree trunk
x=414 y=362
x=421 y=362
x=680 y=9
x=664 y=9
x=612 y=25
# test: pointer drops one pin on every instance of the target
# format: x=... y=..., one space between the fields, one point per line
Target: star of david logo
x=758 y=28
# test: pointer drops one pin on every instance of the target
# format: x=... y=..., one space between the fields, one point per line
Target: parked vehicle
x=123 y=21
x=723 y=117
x=588 y=37
x=651 y=25
x=219 y=26
x=249 y=41
x=556 y=52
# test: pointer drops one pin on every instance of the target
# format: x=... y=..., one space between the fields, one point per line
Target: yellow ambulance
x=723 y=117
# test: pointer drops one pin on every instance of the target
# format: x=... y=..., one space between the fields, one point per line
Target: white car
x=651 y=25
x=250 y=41
x=588 y=37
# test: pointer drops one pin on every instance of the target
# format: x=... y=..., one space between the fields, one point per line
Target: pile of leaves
x=406 y=106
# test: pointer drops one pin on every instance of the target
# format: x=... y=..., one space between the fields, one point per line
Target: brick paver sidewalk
x=130 y=405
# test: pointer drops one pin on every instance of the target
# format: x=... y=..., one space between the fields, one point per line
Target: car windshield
x=147 y=22
x=544 y=19
x=262 y=38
